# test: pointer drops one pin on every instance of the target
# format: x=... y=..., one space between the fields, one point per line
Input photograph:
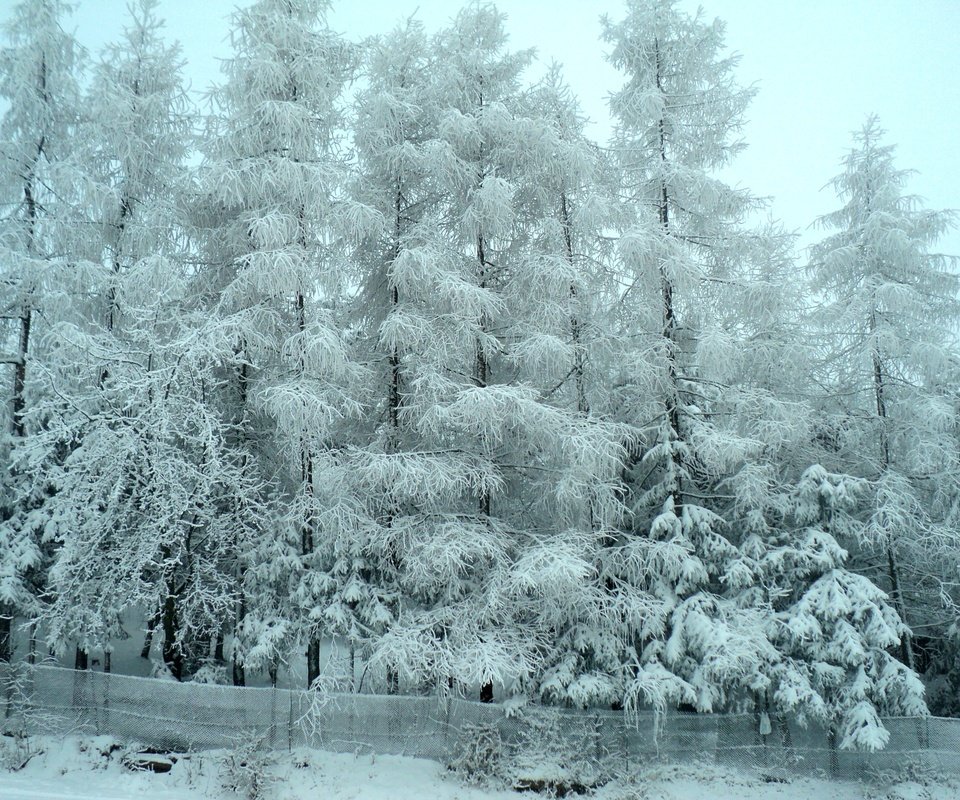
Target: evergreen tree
x=887 y=322
x=130 y=442
x=557 y=341
x=473 y=466
x=273 y=174
x=687 y=260
x=832 y=628
x=38 y=81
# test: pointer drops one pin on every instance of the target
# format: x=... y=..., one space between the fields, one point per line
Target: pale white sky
x=821 y=66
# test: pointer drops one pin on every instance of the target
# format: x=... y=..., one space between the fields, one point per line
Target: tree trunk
x=148 y=639
x=18 y=428
x=313 y=661
x=896 y=593
x=172 y=651
x=353 y=667
x=481 y=374
x=80 y=659
x=32 y=646
x=239 y=673
x=668 y=309
x=395 y=398
x=893 y=569
x=18 y=400
x=307 y=542
x=6 y=641
x=481 y=377
x=576 y=325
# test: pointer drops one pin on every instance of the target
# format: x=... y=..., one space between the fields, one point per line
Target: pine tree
x=832 y=628
x=38 y=79
x=133 y=448
x=556 y=338
x=686 y=259
x=394 y=121
x=274 y=175
x=440 y=480
x=473 y=464
x=887 y=321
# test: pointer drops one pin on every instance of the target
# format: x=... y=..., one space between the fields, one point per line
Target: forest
x=377 y=346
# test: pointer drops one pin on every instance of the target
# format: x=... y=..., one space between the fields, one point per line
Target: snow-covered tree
x=556 y=337
x=473 y=464
x=887 y=320
x=833 y=629
x=135 y=452
x=697 y=295
x=38 y=83
x=273 y=175
x=394 y=120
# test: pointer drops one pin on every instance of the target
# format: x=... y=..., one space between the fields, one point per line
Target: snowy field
x=100 y=769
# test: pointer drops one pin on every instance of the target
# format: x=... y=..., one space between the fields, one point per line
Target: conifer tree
x=274 y=174
x=833 y=629
x=685 y=255
x=38 y=81
x=138 y=517
x=474 y=465
x=888 y=326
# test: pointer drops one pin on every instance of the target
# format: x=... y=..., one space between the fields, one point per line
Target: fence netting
x=167 y=715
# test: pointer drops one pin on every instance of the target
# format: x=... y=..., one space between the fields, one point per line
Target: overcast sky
x=820 y=65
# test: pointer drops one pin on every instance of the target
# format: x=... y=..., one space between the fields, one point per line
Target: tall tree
x=473 y=465
x=38 y=81
x=139 y=472
x=274 y=173
x=686 y=256
x=556 y=338
x=888 y=320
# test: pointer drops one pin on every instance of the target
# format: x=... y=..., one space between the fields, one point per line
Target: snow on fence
x=175 y=716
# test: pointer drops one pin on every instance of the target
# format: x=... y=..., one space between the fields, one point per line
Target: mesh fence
x=166 y=715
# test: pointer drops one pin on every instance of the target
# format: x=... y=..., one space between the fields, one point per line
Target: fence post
x=834 y=754
x=290 y=721
x=81 y=696
x=106 y=701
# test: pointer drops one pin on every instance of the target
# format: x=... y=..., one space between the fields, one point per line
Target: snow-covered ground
x=97 y=769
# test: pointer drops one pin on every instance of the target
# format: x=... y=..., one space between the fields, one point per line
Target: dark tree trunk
x=172 y=651
x=148 y=639
x=481 y=377
x=313 y=661
x=668 y=306
x=393 y=681
x=893 y=569
x=20 y=375
x=239 y=672
x=32 y=647
x=6 y=641
x=576 y=325
x=80 y=659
